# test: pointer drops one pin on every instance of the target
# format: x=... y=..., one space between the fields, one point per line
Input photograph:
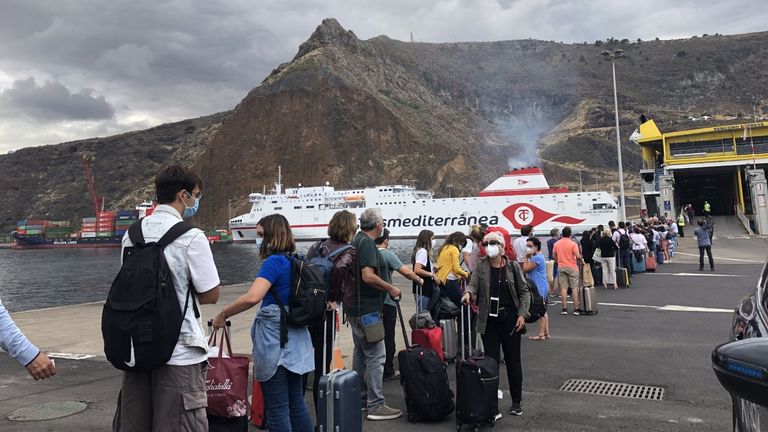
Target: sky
x=74 y=69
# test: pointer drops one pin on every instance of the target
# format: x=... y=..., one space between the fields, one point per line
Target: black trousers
x=390 y=321
x=317 y=332
x=500 y=335
x=625 y=260
x=708 y=249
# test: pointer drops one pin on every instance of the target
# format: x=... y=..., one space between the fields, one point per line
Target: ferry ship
x=520 y=197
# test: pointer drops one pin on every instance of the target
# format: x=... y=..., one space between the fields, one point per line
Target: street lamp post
x=613 y=56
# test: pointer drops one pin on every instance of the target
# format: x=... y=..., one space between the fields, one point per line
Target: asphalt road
x=647 y=334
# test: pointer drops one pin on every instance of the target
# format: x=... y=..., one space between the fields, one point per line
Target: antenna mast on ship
x=279 y=185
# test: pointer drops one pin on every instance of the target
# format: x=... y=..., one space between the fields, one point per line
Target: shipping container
x=89 y=220
x=88 y=235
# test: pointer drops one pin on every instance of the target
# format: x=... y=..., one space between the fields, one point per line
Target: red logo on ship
x=521 y=182
x=527 y=214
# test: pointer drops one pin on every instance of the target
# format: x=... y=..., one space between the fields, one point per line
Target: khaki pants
x=568 y=277
x=166 y=399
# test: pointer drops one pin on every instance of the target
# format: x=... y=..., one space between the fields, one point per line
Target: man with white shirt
x=520 y=244
x=172 y=397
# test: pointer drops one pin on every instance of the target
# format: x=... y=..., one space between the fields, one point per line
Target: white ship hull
x=407 y=211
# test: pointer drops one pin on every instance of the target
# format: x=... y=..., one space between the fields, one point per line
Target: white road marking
x=676 y=308
x=705 y=274
x=71 y=356
x=722 y=258
x=667 y=308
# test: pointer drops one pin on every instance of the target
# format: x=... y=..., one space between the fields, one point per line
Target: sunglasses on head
x=492 y=242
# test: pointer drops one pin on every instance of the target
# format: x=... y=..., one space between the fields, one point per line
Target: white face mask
x=529 y=250
x=492 y=251
x=259 y=241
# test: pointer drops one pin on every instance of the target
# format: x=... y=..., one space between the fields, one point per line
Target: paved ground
x=642 y=335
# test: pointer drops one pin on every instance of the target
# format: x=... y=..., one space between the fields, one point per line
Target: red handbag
x=226 y=382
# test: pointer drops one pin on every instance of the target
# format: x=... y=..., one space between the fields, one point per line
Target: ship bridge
x=721 y=165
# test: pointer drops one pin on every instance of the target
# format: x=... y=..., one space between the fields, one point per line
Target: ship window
x=310 y=206
x=278 y=208
x=274 y=202
x=297 y=207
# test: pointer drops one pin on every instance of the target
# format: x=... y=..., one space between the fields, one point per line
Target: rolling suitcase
x=477 y=387
x=638 y=265
x=428 y=337
x=258 y=413
x=338 y=401
x=428 y=395
x=650 y=263
x=659 y=256
x=450 y=346
x=622 y=277
x=597 y=273
x=588 y=300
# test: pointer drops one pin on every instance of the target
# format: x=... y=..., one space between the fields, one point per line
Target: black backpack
x=310 y=281
x=624 y=241
x=141 y=320
x=538 y=306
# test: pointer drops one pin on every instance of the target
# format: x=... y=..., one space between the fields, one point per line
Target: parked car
x=741 y=365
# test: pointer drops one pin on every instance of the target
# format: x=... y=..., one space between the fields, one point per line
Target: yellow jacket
x=448 y=262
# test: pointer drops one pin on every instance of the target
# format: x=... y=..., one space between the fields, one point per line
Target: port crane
x=98 y=202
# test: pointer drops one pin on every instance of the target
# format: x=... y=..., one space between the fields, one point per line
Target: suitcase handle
x=465 y=332
x=329 y=336
x=402 y=324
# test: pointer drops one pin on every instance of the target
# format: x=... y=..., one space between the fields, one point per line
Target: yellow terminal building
x=721 y=165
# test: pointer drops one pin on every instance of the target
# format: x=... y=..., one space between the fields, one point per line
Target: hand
x=465 y=299
x=396 y=299
x=394 y=292
x=220 y=321
x=520 y=324
x=41 y=367
x=330 y=306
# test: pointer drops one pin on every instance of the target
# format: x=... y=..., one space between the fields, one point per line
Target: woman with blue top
x=535 y=268
x=278 y=369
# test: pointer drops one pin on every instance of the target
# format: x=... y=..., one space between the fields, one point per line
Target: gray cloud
x=52 y=101
x=171 y=59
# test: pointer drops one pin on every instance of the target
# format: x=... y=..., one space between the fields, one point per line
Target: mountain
x=48 y=182
x=442 y=116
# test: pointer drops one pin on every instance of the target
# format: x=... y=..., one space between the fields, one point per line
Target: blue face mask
x=190 y=211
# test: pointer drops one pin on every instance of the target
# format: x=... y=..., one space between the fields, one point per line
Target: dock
x=659 y=332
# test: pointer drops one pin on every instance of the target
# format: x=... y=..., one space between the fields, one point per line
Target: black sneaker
x=564 y=312
x=577 y=312
x=516 y=409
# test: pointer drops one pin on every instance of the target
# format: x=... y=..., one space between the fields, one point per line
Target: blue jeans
x=284 y=402
x=422 y=302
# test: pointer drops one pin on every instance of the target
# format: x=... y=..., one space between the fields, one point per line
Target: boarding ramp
x=728 y=226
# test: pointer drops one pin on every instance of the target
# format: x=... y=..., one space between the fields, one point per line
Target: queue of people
x=484 y=269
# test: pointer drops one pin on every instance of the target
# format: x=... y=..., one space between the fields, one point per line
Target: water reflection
x=31 y=279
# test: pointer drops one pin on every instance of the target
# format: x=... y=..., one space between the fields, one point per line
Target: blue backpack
x=310 y=282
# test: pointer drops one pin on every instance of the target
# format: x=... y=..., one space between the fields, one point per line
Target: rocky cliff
x=362 y=112
x=48 y=182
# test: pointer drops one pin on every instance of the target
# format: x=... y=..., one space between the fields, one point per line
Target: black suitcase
x=477 y=388
x=597 y=273
x=223 y=424
x=428 y=395
x=622 y=277
x=338 y=401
